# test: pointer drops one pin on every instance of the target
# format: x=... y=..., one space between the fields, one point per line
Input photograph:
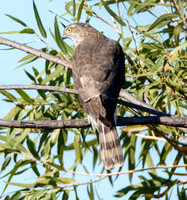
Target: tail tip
x=109 y=165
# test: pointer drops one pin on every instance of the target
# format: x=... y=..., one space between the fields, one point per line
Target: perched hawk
x=98 y=72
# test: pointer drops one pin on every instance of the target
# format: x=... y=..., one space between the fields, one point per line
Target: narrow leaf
x=5 y=163
x=74 y=8
x=8 y=95
x=58 y=37
x=162 y=18
x=77 y=146
x=39 y=22
x=113 y=14
x=32 y=148
x=80 y=10
x=16 y=19
x=22 y=185
x=28 y=31
x=54 y=74
x=25 y=96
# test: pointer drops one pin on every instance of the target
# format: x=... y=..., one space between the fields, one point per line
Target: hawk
x=98 y=72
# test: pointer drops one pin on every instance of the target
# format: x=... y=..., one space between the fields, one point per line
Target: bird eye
x=68 y=30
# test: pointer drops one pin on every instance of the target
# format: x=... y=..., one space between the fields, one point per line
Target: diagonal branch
x=138 y=102
x=35 y=52
x=38 y=87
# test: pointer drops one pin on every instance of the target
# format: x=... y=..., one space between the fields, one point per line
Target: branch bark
x=140 y=103
x=83 y=123
x=35 y=52
x=135 y=103
x=38 y=87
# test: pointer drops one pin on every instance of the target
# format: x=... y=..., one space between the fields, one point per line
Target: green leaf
x=28 y=31
x=37 y=193
x=131 y=7
x=80 y=10
x=162 y=18
x=32 y=59
x=24 y=185
x=32 y=148
x=39 y=22
x=177 y=32
x=29 y=75
x=25 y=96
x=96 y=155
x=67 y=7
x=74 y=8
x=58 y=38
x=22 y=136
x=131 y=155
x=113 y=14
x=178 y=48
x=65 y=180
x=5 y=163
x=53 y=75
x=13 y=112
x=77 y=146
x=90 y=191
x=65 y=195
x=158 y=66
x=16 y=195
x=19 y=164
x=34 y=168
x=16 y=19
x=12 y=142
x=8 y=95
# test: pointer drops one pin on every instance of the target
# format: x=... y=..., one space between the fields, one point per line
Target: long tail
x=111 y=151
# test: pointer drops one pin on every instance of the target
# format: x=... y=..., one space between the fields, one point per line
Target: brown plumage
x=98 y=72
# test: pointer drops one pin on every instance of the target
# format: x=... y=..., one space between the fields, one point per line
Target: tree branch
x=98 y=175
x=38 y=87
x=136 y=103
x=35 y=52
x=83 y=123
x=128 y=172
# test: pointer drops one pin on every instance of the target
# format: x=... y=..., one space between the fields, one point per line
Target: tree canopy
x=46 y=135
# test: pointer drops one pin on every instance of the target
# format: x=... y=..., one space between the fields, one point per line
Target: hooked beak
x=64 y=36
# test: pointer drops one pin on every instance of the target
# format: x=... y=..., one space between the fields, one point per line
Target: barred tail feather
x=111 y=150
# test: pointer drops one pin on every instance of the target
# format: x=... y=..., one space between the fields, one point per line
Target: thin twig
x=176 y=6
x=100 y=175
x=84 y=183
x=132 y=33
x=141 y=170
x=119 y=14
x=182 y=182
x=173 y=143
x=116 y=27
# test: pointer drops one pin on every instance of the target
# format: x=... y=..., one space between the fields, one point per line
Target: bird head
x=78 y=32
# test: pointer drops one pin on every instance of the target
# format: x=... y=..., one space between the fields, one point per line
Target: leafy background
x=154 y=42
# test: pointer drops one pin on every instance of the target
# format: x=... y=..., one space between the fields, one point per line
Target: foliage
x=155 y=73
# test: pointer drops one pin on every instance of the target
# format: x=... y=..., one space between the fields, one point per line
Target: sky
x=9 y=74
